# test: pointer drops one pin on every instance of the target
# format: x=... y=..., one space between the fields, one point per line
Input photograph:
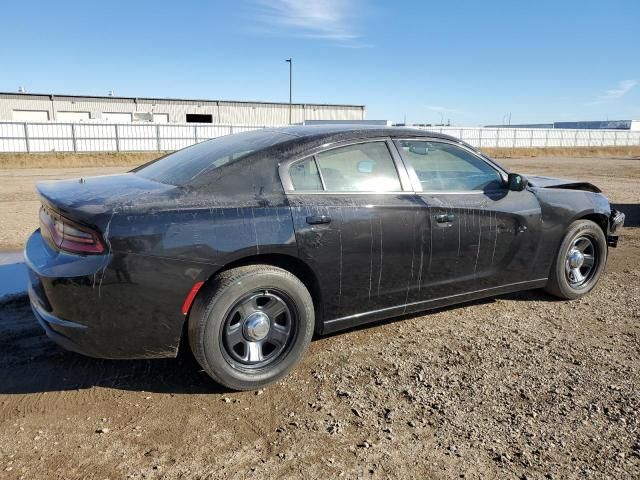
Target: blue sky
x=469 y=61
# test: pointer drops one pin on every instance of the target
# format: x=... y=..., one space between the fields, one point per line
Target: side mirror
x=516 y=182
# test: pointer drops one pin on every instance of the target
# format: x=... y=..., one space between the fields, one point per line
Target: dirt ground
x=521 y=386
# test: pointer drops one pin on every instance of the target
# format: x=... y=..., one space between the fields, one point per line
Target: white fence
x=92 y=137
x=481 y=137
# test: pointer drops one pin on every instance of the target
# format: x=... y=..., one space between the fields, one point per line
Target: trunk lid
x=90 y=199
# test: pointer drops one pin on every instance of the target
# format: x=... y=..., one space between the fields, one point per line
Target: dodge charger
x=245 y=246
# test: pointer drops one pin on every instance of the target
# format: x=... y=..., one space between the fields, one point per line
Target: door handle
x=318 y=219
x=444 y=218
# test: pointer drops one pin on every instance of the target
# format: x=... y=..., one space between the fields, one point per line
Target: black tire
x=212 y=318
x=564 y=284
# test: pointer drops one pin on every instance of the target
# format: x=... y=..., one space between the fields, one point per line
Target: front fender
x=561 y=207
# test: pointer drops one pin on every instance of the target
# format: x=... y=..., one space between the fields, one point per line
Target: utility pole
x=290 y=62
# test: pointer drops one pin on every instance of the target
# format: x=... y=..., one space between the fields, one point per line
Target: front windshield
x=184 y=166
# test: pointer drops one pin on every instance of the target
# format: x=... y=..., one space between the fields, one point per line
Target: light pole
x=290 y=62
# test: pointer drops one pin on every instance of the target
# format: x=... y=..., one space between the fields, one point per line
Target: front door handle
x=444 y=218
x=318 y=219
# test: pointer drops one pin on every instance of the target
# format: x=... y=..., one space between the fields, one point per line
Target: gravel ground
x=521 y=386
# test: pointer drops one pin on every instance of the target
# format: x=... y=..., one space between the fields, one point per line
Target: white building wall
x=31 y=115
x=67 y=116
x=222 y=112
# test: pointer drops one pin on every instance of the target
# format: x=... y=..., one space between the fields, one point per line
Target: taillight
x=68 y=236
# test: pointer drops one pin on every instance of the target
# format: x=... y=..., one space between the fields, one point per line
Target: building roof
x=158 y=99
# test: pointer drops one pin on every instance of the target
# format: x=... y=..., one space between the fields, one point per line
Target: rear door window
x=363 y=167
x=305 y=176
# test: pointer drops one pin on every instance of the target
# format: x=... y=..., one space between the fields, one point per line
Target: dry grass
x=563 y=152
x=70 y=160
x=132 y=159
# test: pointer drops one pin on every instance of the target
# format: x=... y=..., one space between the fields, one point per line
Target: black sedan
x=248 y=244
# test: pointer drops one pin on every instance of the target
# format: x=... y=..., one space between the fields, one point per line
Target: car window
x=364 y=167
x=442 y=167
x=305 y=177
x=184 y=166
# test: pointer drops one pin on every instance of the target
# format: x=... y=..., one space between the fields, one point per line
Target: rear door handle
x=444 y=218
x=318 y=219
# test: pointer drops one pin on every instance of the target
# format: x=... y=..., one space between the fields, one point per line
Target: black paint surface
x=381 y=255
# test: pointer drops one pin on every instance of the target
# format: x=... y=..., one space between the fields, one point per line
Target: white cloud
x=322 y=19
x=615 y=93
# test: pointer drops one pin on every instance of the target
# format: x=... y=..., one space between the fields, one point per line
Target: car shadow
x=32 y=363
x=631 y=211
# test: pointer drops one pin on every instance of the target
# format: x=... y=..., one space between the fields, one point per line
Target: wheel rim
x=581 y=260
x=259 y=329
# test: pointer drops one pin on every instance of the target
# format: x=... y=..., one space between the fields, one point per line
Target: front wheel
x=580 y=261
x=251 y=326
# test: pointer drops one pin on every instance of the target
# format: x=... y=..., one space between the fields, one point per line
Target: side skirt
x=337 y=324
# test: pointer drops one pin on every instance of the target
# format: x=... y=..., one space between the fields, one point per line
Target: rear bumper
x=616 y=221
x=66 y=334
x=116 y=306
x=63 y=298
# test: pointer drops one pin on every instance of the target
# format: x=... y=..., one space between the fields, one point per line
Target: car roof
x=296 y=141
x=346 y=131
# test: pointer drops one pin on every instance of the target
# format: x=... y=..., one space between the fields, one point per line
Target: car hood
x=563 y=183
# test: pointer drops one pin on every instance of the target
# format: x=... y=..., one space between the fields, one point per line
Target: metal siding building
x=71 y=108
x=631 y=125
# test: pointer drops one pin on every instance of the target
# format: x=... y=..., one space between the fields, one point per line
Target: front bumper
x=616 y=221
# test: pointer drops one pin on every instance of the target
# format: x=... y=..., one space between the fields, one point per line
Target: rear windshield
x=183 y=166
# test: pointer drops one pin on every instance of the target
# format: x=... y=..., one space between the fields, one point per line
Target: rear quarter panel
x=155 y=259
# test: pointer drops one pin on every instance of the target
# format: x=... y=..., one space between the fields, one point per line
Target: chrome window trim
x=461 y=192
x=398 y=163
x=322 y=182
x=405 y=192
x=334 y=193
x=414 y=176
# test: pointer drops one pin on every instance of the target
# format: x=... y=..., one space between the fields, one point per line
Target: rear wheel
x=580 y=261
x=251 y=326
